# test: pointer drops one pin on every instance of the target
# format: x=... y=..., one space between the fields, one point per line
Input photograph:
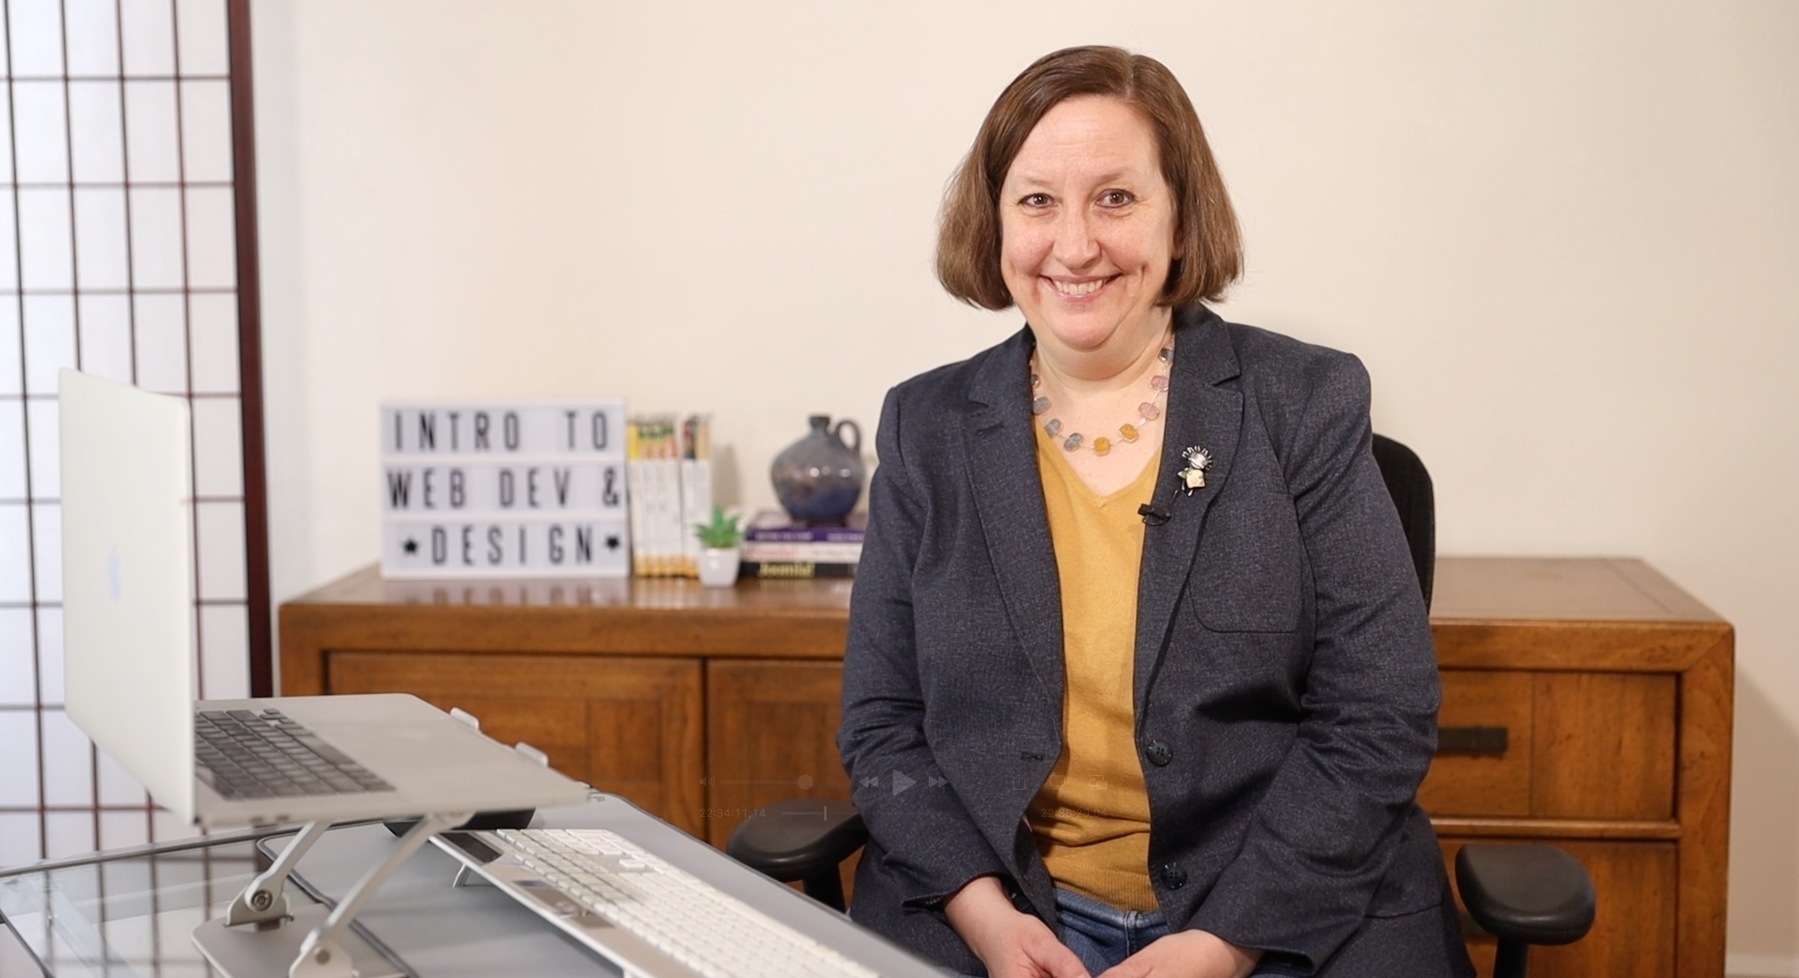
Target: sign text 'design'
x=571 y=547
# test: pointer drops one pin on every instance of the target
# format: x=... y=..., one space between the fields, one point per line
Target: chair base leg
x=826 y=888
x=1513 y=960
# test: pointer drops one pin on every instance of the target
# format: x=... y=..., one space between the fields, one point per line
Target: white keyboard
x=691 y=921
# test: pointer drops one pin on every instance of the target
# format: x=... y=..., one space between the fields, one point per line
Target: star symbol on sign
x=612 y=542
x=411 y=546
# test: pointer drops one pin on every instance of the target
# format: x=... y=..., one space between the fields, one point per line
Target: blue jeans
x=1102 y=935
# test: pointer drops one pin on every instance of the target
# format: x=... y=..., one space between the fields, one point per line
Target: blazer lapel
x=1000 y=457
x=1203 y=413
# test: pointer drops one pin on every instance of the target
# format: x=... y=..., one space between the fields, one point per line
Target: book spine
x=830 y=553
x=665 y=489
x=805 y=534
x=696 y=487
x=796 y=570
x=637 y=497
x=667 y=479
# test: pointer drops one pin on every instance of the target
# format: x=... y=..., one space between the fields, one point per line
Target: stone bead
x=1159 y=382
x=1149 y=411
x=1167 y=355
x=1040 y=405
x=1128 y=432
x=1073 y=443
x=1053 y=426
x=1101 y=446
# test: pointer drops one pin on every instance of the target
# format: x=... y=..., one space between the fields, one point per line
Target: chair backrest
x=1408 y=482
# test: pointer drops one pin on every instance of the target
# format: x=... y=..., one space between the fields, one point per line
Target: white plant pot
x=718 y=567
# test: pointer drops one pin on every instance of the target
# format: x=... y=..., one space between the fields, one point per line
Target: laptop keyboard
x=703 y=928
x=251 y=754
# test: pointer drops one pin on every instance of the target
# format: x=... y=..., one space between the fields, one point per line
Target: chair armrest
x=798 y=839
x=1531 y=893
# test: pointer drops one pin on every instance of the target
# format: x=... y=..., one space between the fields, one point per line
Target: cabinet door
x=632 y=727
x=1633 y=932
x=772 y=735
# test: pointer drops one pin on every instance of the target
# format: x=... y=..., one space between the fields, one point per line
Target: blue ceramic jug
x=818 y=479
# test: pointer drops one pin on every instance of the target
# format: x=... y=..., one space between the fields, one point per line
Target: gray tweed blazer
x=1285 y=681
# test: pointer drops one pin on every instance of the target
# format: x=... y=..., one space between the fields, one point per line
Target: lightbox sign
x=504 y=490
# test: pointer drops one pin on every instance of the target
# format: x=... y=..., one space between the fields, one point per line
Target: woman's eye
x=1035 y=200
x=1116 y=198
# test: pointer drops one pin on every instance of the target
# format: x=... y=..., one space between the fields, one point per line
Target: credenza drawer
x=1554 y=745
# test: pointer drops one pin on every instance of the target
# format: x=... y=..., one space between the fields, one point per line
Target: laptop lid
x=130 y=658
x=128 y=580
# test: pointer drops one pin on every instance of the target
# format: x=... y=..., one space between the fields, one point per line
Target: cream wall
x=1559 y=234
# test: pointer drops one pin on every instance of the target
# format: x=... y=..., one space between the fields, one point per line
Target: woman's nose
x=1075 y=244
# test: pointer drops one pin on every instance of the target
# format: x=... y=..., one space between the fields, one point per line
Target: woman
x=1139 y=676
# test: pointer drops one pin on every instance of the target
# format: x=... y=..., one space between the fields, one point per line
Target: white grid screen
x=119 y=256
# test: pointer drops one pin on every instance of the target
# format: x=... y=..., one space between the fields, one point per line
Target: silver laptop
x=129 y=656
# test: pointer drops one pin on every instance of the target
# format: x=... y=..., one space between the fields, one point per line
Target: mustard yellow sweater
x=1091 y=818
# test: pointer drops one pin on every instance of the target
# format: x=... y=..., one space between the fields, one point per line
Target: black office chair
x=1408 y=482
x=1522 y=894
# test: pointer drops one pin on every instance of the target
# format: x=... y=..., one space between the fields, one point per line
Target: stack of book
x=669 y=468
x=777 y=546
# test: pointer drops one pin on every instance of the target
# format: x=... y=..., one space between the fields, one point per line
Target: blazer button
x=1158 y=753
x=1173 y=876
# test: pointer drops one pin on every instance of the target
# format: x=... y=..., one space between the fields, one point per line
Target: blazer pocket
x=1250 y=573
x=1416 y=879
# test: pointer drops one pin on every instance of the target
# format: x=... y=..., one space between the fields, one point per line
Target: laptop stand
x=259 y=937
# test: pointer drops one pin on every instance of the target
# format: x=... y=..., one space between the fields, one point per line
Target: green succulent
x=722 y=533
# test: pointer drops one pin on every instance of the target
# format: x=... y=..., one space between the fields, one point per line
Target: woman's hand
x=1011 y=944
x=1187 y=954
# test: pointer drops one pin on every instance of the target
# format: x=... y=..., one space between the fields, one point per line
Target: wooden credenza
x=1585 y=703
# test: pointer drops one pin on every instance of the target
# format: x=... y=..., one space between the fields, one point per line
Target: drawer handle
x=1472 y=740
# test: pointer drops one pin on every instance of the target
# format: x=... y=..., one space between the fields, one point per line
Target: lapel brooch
x=1194 y=475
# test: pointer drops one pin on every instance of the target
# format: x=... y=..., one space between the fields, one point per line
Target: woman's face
x=1087 y=228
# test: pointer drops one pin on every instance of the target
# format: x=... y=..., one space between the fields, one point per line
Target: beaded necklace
x=1146 y=412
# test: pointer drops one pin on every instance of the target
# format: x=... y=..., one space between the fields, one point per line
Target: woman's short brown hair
x=1205 y=231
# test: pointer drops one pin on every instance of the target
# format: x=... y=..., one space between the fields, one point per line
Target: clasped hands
x=1013 y=944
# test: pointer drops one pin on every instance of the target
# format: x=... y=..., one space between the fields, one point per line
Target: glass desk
x=132 y=913
x=129 y=913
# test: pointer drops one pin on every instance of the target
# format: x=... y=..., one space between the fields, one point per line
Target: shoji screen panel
x=126 y=250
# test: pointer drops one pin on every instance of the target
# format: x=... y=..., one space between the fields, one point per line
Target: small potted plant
x=722 y=540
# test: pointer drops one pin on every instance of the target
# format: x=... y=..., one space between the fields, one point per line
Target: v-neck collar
x=1139 y=486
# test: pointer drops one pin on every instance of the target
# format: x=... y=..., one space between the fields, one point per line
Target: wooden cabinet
x=635 y=726
x=698 y=704
x=772 y=736
x=1586 y=703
